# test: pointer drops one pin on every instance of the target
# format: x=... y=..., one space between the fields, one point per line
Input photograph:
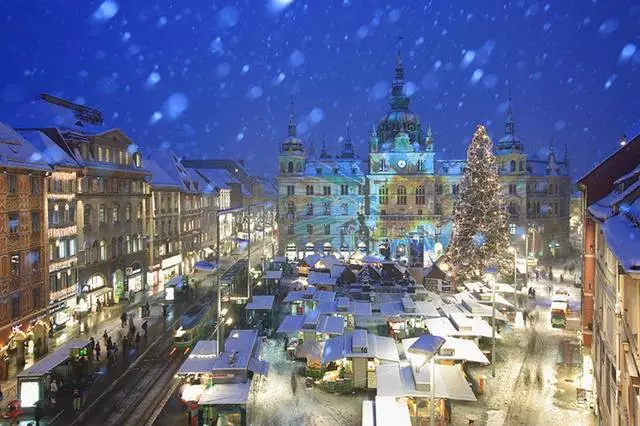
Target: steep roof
x=17 y=152
x=53 y=154
x=160 y=178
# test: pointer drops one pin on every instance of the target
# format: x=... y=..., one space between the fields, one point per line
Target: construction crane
x=82 y=113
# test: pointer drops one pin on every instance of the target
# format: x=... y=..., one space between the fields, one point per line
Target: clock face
x=402 y=164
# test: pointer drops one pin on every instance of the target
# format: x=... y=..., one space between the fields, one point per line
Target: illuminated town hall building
x=400 y=201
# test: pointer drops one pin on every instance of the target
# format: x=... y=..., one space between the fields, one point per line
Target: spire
x=429 y=139
x=509 y=126
x=323 y=152
x=347 y=149
x=373 y=141
x=399 y=101
x=566 y=153
x=292 y=120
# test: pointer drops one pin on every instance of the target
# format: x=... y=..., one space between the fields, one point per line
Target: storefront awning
x=208 y=251
x=226 y=394
x=259 y=366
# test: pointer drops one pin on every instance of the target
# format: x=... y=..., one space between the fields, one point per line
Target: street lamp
x=426 y=347
x=491 y=272
x=515 y=274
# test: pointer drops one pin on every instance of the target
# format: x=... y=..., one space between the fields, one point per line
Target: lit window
x=512 y=228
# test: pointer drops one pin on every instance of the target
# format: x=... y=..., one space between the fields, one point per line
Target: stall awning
x=259 y=366
x=260 y=303
x=273 y=275
x=398 y=381
x=291 y=324
x=226 y=394
x=51 y=361
x=208 y=250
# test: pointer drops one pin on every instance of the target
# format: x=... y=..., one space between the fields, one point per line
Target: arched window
x=345 y=209
x=114 y=248
x=139 y=212
x=115 y=212
x=309 y=208
x=291 y=208
x=513 y=165
x=290 y=167
x=420 y=198
x=298 y=167
x=95 y=251
x=513 y=209
x=102 y=214
x=383 y=166
x=103 y=250
x=128 y=242
x=383 y=193
x=121 y=246
x=127 y=212
x=522 y=166
x=327 y=208
x=87 y=214
x=401 y=192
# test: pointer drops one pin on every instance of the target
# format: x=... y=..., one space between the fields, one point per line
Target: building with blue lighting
x=400 y=201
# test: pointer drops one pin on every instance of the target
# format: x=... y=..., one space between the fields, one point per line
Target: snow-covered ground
x=276 y=403
x=535 y=381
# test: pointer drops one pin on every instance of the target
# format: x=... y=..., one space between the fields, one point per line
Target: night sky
x=213 y=78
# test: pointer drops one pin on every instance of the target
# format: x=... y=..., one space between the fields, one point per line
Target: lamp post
x=491 y=272
x=428 y=346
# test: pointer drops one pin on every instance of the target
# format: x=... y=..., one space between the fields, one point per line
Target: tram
x=195 y=324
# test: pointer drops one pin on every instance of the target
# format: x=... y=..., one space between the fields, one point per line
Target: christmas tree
x=480 y=236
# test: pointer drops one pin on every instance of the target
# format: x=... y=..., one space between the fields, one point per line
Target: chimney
x=241 y=162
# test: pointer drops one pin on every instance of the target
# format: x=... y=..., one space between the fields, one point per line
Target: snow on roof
x=603 y=208
x=226 y=394
x=471 y=327
x=202 y=359
x=311 y=350
x=315 y=278
x=17 y=152
x=397 y=381
x=260 y=303
x=454 y=349
x=51 y=153
x=345 y=168
x=273 y=275
x=291 y=324
x=623 y=238
x=313 y=321
x=440 y=326
x=51 y=361
x=426 y=344
x=238 y=349
x=360 y=344
x=159 y=176
x=389 y=411
x=629 y=175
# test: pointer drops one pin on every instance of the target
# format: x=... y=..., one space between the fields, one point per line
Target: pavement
x=538 y=372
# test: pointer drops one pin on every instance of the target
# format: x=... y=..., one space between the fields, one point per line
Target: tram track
x=141 y=387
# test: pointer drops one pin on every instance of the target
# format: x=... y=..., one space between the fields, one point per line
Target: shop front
x=96 y=290
x=135 y=277
x=118 y=285
x=170 y=267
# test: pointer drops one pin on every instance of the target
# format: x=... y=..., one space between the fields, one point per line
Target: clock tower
x=402 y=212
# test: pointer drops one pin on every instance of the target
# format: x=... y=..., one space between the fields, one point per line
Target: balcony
x=62 y=231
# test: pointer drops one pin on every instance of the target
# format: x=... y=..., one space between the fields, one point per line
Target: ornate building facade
x=409 y=195
x=322 y=199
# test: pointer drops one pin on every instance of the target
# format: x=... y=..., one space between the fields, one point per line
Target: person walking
x=76 y=398
x=92 y=344
x=97 y=349
x=123 y=319
x=137 y=342
x=53 y=391
x=145 y=326
x=38 y=413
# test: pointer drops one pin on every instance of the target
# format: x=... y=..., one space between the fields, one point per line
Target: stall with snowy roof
x=259 y=311
x=310 y=327
x=299 y=302
x=415 y=380
x=225 y=398
x=350 y=361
